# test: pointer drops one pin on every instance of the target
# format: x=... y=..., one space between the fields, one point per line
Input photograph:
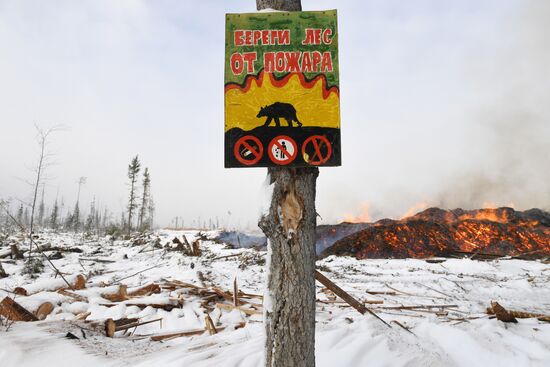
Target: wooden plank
x=145 y=290
x=179 y=334
x=340 y=292
x=229 y=307
x=345 y=296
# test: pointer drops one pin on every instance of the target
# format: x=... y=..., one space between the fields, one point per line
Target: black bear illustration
x=279 y=110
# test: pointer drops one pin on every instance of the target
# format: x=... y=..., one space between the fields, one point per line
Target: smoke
x=510 y=134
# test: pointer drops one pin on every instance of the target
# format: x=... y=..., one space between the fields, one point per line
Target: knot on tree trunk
x=291 y=211
x=291 y=187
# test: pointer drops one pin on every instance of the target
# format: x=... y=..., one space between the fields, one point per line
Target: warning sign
x=282 y=150
x=282 y=90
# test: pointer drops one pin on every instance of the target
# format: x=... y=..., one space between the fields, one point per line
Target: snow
x=463 y=336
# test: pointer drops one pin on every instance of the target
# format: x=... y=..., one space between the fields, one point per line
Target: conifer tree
x=133 y=171
x=54 y=217
x=144 y=199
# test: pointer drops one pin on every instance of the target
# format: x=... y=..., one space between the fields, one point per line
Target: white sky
x=443 y=103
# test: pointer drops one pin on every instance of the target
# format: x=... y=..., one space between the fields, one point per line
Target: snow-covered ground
x=459 y=334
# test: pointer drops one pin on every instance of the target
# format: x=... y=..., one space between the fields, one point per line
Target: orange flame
x=363 y=217
x=415 y=209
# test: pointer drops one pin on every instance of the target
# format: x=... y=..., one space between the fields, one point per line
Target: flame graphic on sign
x=316 y=105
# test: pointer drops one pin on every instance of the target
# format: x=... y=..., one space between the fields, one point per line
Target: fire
x=437 y=232
x=415 y=209
x=493 y=215
x=363 y=217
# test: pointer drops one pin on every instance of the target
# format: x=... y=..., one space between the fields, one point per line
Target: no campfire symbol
x=316 y=150
x=282 y=150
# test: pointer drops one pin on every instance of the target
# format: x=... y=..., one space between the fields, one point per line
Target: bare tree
x=41 y=207
x=290 y=227
x=43 y=163
x=144 y=199
x=133 y=171
x=75 y=220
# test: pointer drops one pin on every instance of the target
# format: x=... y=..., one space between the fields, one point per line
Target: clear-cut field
x=447 y=325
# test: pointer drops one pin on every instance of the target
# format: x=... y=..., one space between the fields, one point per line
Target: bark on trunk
x=290 y=300
x=286 y=5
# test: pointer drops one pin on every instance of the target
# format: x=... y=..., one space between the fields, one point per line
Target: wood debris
x=509 y=314
x=501 y=313
x=14 y=311
x=172 y=335
x=112 y=326
x=120 y=295
x=44 y=310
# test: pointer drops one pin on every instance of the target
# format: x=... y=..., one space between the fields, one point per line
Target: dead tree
x=290 y=227
x=42 y=137
x=133 y=171
x=144 y=199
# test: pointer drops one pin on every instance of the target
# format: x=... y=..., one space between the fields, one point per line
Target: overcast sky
x=443 y=103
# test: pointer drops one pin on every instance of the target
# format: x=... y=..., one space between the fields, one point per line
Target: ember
x=438 y=232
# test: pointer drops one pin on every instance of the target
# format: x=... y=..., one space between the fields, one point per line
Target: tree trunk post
x=285 y=5
x=289 y=225
x=289 y=301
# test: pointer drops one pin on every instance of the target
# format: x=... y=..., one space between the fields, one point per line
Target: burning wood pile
x=482 y=234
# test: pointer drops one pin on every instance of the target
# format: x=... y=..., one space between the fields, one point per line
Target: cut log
x=522 y=314
x=196 y=250
x=112 y=326
x=79 y=282
x=145 y=290
x=44 y=310
x=14 y=311
x=20 y=291
x=501 y=313
x=119 y=296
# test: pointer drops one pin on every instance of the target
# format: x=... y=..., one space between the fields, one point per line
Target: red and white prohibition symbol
x=282 y=150
x=248 y=150
x=316 y=150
